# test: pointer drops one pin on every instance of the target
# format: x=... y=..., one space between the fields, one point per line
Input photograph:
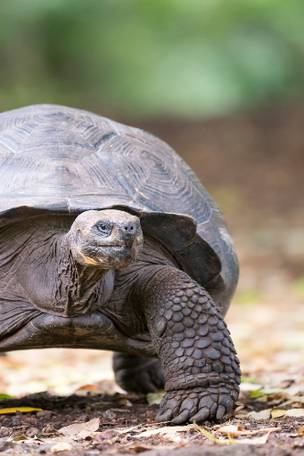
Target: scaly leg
x=194 y=346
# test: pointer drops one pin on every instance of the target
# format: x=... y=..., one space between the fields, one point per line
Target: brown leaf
x=301 y=431
x=135 y=448
x=93 y=389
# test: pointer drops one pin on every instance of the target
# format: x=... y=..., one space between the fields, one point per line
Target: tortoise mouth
x=94 y=330
x=103 y=248
x=117 y=254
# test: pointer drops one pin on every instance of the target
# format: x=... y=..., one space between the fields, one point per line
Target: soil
x=123 y=419
x=253 y=165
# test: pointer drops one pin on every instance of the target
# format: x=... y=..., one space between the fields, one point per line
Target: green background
x=151 y=58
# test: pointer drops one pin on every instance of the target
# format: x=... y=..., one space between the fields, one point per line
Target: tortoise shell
x=59 y=159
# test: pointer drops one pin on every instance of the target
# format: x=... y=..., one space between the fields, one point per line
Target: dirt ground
x=253 y=165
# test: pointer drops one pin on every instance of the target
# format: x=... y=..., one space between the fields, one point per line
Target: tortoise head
x=107 y=239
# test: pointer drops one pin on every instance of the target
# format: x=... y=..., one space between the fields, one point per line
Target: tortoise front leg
x=194 y=346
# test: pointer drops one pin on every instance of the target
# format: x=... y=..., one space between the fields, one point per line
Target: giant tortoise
x=109 y=241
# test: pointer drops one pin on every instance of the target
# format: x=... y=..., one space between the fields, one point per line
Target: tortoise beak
x=132 y=235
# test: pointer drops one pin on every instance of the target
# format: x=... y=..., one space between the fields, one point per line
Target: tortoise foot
x=198 y=405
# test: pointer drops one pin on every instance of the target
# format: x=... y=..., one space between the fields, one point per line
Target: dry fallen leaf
x=79 y=431
x=10 y=410
x=134 y=448
x=295 y=412
x=301 y=431
x=169 y=432
x=232 y=430
x=87 y=390
x=18 y=438
x=277 y=413
x=294 y=399
x=258 y=440
x=259 y=416
x=93 y=389
x=61 y=446
x=210 y=436
x=236 y=430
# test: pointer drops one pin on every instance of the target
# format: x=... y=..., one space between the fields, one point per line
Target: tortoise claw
x=196 y=405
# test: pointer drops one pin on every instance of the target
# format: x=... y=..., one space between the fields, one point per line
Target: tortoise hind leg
x=138 y=374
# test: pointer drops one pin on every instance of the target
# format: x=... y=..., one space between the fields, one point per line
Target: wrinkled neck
x=81 y=289
x=69 y=267
x=50 y=278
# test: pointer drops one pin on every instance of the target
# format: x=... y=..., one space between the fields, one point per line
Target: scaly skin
x=194 y=346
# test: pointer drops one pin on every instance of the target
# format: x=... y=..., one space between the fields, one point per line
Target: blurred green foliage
x=151 y=57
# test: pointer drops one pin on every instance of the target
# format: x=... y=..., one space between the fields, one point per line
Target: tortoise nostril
x=130 y=228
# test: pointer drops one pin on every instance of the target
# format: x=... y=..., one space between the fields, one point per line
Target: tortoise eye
x=104 y=228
